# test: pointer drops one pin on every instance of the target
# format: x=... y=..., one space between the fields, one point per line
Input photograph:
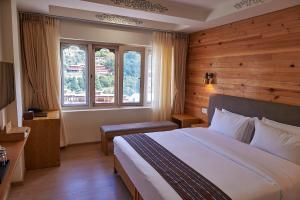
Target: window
x=101 y=75
x=105 y=72
x=74 y=78
x=132 y=72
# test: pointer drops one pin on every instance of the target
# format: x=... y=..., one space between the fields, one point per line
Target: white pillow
x=229 y=124
x=277 y=142
x=249 y=131
x=284 y=127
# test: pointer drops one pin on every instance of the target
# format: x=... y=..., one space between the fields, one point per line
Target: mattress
x=239 y=170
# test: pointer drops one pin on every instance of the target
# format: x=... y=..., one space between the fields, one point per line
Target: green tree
x=132 y=72
x=109 y=90
x=72 y=84
x=108 y=58
x=103 y=82
x=98 y=84
x=74 y=55
x=81 y=83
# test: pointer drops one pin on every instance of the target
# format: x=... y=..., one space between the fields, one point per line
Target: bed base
x=118 y=169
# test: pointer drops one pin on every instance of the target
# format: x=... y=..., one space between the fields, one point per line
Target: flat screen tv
x=7 y=84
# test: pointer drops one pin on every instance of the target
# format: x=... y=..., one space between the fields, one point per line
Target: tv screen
x=7 y=84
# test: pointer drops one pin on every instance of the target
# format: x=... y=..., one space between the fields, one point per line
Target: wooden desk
x=43 y=147
x=14 y=152
x=185 y=121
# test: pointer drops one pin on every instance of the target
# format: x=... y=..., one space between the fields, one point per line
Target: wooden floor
x=85 y=174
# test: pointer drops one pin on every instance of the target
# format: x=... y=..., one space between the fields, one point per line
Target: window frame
x=93 y=76
x=64 y=44
x=124 y=49
x=91 y=67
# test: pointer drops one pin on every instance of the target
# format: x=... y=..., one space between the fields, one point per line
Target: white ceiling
x=181 y=15
x=211 y=4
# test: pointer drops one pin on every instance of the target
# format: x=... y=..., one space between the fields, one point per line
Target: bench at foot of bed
x=108 y=132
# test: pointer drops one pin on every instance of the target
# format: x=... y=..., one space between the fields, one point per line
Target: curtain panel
x=169 y=64
x=40 y=61
x=180 y=56
x=40 y=41
x=162 y=75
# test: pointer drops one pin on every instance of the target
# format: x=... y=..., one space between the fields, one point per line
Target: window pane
x=131 y=76
x=75 y=70
x=105 y=75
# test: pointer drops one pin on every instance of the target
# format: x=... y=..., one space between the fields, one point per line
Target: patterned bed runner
x=187 y=182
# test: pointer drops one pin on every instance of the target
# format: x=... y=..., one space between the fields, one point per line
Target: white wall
x=17 y=62
x=10 y=52
x=8 y=113
x=104 y=33
x=83 y=126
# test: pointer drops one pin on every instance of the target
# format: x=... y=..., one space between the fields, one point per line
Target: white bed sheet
x=241 y=171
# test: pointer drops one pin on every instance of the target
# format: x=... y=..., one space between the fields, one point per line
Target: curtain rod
x=99 y=22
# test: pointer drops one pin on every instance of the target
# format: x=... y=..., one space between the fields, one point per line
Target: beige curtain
x=169 y=63
x=162 y=75
x=40 y=57
x=180 y=56
x=40 y=36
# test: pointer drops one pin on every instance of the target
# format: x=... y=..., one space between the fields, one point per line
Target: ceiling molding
x=248 y=3
x=141 y=5
x=161 y=8
x=107 y=18
x=236 y=6
x=117 y=19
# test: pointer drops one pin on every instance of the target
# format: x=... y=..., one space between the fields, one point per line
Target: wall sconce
x=208 y=78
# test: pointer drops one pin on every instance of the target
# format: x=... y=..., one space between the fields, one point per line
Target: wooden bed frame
x=287 y=114
x=118 y=169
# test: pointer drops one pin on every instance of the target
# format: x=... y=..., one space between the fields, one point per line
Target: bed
x=237 y=169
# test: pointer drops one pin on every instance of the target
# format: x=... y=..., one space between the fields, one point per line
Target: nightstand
x=203 y=125
x=185 y=121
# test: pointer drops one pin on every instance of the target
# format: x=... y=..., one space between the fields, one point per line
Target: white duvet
x=241 y=171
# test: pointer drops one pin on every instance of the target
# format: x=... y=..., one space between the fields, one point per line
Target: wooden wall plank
x=256 y=58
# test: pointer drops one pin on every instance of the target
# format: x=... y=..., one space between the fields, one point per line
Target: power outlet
x=204 y=111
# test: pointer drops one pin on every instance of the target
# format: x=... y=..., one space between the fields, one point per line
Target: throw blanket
x=187 y=182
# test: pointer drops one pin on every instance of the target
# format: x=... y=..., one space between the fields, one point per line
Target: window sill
x=94 y=109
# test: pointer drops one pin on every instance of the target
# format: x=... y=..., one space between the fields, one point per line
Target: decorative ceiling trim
x=141 y=5
x=117 y=19
x=248 y=3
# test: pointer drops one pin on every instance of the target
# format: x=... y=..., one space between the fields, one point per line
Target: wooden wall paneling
x=256 y=58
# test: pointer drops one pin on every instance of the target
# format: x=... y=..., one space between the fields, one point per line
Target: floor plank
x=85 y=174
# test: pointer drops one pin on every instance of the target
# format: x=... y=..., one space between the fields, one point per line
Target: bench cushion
x=120 y=129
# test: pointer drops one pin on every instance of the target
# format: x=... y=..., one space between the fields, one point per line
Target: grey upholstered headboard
x=254 y=108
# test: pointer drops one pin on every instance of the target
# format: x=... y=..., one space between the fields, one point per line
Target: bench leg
x=115 y=169
x=104 y=145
